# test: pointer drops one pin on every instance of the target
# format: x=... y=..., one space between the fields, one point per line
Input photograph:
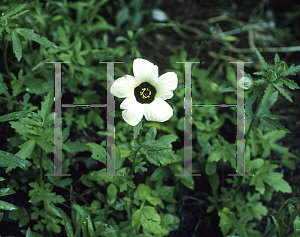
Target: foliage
x=142 y=200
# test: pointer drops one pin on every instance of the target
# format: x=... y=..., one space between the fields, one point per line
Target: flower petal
x=144 y=70
x=133 y=111
x=159 y=110
x=165 y=85
x=124 y=86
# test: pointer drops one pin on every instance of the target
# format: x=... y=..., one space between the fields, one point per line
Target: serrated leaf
x=148 y=218
x=283 y=92
x=167 y=139
x=137 y=129
x=76 y=146
x=274 y=179
x=26 y=149
x=261 y=59
x=15 y=9
x=275 y=123
x=225 y=220
x=151 y=134
x=99 y=152
x=18 y=115
x=12 y=161
x=292 y=70
x=268 y=93
x=46 y=106
x=290 y=83
x=17 y=46
x=144 y=193
x=29 y=34
x=20 y=214
x=276 y=58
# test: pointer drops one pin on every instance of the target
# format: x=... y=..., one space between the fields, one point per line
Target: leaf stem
x=5 y=44
x=41 y=169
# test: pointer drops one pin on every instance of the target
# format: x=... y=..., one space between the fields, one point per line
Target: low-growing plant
x=143 y=199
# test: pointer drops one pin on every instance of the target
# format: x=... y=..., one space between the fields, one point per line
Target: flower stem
x=252 y=122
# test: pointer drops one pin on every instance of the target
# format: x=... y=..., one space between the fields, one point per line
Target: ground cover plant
x=147 y=198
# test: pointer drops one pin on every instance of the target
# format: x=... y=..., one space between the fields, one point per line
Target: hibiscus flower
x=145 y=93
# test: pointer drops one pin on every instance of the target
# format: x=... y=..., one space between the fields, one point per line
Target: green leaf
x=144 y=193
x=29 y=233
x=29 y=34
x=75 y=146
x=268 y=93
x=228 y=89
x=261 y=73
x=20 y=214
x=99 y=152
x=46 y=106
x=112 y=190
x=274 y=179
x=276 y=58
x=225 y=223
x=26 y=149
x=3 y=88
x=118 y=158
x=15 y=9
x=210 y=168
x=7 y=206
x=6 y=191
x=148 y=218
x=43 y=193
x=187 y=181
x=205 y=145
x=137 y=129
x=261 y=59
x=292 y=70
x=151 y=134
x=168 y=139
x=158 y=174
x=275 y=123
x=18 y=115
x=17 y=46
x=214 y=181
x=290 y=83
x=282 y=91
x=12 y=161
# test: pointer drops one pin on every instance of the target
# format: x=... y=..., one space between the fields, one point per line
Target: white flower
x=145 y=93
